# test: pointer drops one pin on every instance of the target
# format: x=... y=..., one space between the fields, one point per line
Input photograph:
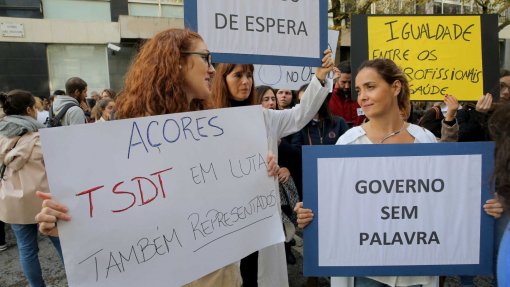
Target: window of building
x=177 y=2
x=21 y=8
x=453 y=7
x=80 y=10
x=156 y=8
x=88 y=62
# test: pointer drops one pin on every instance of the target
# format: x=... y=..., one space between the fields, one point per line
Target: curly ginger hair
x=153 y=84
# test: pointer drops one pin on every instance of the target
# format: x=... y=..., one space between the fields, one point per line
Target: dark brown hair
x=220 y=92
x=499 y=128
x=261 y=90
x=390 y=72
x=16 y=102
x=75 y=84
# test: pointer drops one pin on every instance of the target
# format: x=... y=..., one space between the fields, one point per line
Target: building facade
x=43 y=43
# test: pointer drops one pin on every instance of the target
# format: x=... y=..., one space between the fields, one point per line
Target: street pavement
x=54 y=274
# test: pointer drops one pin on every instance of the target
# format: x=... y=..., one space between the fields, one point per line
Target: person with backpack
x=22 y=173
x=66 y=109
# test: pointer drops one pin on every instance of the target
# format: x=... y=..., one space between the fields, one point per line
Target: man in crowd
x=341 y=103
x=76 y=92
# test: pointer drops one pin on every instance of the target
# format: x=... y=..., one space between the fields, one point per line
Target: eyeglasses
x=206 y=56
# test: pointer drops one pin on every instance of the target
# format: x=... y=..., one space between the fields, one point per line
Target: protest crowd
x=175 y=72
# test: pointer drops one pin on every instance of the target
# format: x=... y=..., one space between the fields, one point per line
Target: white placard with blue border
x=405 y=210
x=268 y=32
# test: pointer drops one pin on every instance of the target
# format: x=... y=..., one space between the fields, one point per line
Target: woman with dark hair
x=323 y=129
x=499 y=127
x=172 y=73
x=383 y=92
x=285 y=98
x=267 y=98
x=504 y=86
x=233 y=86
x=22 y=173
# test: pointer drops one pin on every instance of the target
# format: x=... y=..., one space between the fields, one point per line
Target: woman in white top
x=233 y=86
x=383 y=92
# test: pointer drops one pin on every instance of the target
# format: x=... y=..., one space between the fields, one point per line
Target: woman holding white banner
x=172 y=73
x=233 y=86
x=383 y=92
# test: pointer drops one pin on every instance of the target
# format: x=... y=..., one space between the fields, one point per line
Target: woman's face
x=197 y=71
x=504 y=91
x=239 y=83
x=108 y=110
x=269 y=100
x=375 y=96
x=284 y=98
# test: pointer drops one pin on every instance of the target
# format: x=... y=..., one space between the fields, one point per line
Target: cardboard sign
x=439 y=55
x=163 y=200
x=405 y=210
x=283 y=32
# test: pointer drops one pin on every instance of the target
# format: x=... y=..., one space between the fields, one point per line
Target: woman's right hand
x=51 y=212
x=483 y=105
x=304 y=215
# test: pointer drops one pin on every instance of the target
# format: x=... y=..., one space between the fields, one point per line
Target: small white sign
x=12 y=30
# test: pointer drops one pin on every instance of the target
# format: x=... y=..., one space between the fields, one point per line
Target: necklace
x=393 y=133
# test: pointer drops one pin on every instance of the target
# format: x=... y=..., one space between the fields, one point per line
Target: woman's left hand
x=304 y=215
x=453 y=105
x=283 y=175
x=272 y=165
x=493 y=207
x=327 y=66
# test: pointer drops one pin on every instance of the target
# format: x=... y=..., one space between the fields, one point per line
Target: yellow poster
x=438 y=54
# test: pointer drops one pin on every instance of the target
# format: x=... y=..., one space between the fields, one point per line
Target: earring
x=180 y=67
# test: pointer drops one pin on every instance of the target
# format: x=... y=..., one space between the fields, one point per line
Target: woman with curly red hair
x=171 y=74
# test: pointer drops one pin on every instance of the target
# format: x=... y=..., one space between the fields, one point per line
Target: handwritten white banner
x=291 y=77
x=164 y=200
